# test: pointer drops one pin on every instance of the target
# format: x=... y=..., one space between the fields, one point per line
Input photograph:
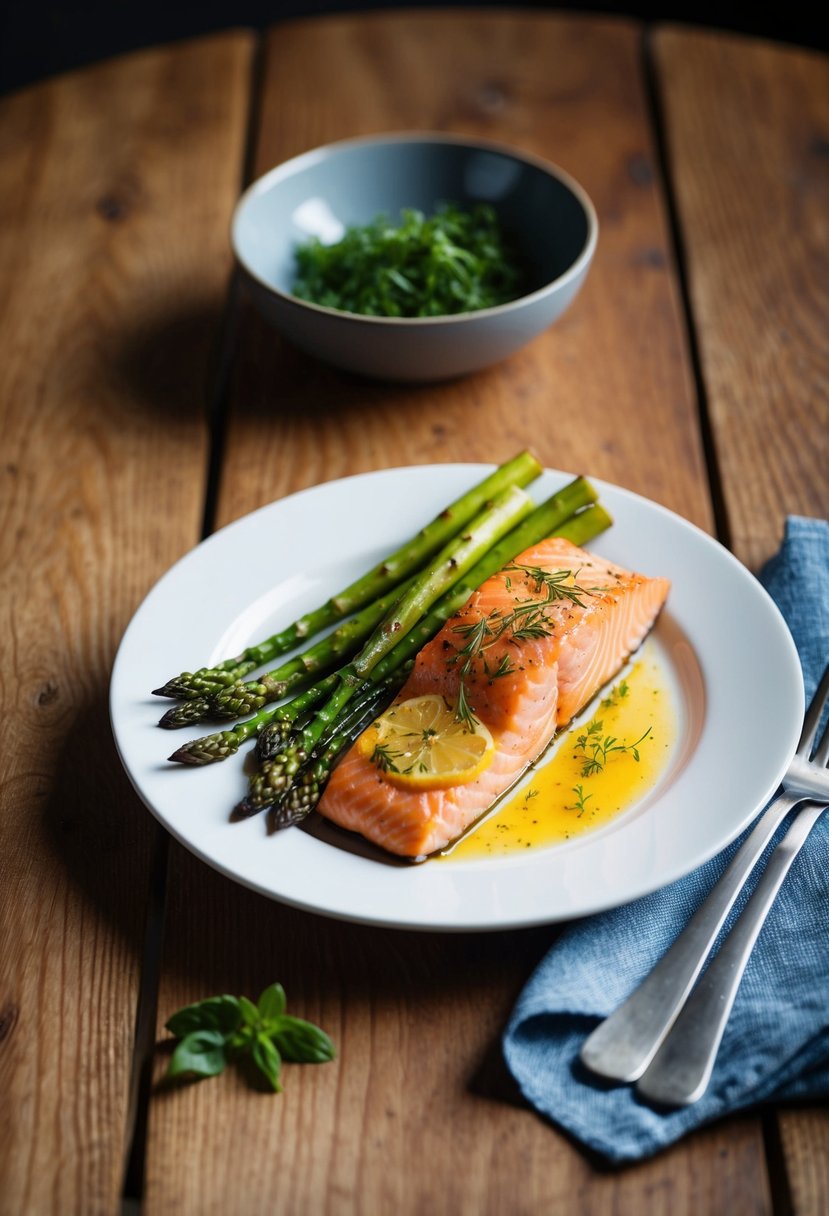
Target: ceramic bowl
x=541 y=209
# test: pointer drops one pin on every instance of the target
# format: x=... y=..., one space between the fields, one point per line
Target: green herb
x=527 y=620
x=554 y=584
x=457 y=260
x=617 y=694
x=581 y=799
x=597 y=748
x=223 y=1028
x=385 y=758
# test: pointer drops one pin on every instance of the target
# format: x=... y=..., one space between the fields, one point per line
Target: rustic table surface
x=144 y=405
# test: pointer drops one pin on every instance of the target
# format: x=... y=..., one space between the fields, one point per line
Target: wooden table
x=144 y=405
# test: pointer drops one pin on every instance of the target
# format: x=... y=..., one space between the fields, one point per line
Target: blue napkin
x=776 y=1045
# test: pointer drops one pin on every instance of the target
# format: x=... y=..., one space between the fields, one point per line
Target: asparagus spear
x=246 y=698
x=210 y=748
x=554 y=517
x=272 y=724
x=519 y=471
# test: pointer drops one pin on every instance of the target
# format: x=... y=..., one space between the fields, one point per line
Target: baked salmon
x=525 y=654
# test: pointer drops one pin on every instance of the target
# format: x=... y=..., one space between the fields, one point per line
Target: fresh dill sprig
x=597 y=748
x=388 y=761
x=582 y=799
x=384 y=758
x=528 y=620
x=554 y=583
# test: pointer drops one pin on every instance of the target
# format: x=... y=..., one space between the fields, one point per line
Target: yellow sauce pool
x=592 y=772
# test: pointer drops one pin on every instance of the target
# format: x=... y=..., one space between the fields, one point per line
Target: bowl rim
x=294 y=164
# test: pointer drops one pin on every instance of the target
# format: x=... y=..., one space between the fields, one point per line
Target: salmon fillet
x=555 y=625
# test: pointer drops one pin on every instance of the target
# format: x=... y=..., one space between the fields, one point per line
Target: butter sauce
x=591 y=773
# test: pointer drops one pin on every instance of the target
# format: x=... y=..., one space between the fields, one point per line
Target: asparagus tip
x=187 y=713
x=244 y=810
x=209 y=749
x=183 y=756
x=278 y=819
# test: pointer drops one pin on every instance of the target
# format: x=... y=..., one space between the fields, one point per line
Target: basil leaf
x=216 y=1013
x=272 y=1003
x=266 y=1058
x=256 y=1037
x=250 y=1014
x=200 y=1054
x=302 y=1041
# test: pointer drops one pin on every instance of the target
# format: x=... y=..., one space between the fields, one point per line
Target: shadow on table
x=327 y=410
x=172 y=359
x=100 y=832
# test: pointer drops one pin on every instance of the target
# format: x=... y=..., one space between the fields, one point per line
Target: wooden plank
x=746 y=129
x=415 y=1115
x=804 y=1141
x=106 y=320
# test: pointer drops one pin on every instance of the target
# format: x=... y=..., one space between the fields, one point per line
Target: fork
x=680 y=1071
x=622 y=1047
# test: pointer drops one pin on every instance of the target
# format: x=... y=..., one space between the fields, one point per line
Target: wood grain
x=416 y=1115
x=804 y=1140
x=747 y=126
x=106 y=320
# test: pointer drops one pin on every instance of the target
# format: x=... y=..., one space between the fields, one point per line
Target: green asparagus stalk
x=519 y=471
x=281 y=718
x=324 y=656
x=272 y=725
x=447 y=568
x=554 y=517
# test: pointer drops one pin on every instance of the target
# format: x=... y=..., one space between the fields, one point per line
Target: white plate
x=730 y=654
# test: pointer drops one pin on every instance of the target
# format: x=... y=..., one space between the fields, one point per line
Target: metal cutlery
x=680 y=1071
x=623 y=1046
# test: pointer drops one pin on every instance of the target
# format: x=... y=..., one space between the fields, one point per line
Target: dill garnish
x=385 y=758
x=582 y=799
x=597 y=748
x=527 y=620
x=617 y=694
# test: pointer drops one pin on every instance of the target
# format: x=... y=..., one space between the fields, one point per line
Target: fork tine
x=812 y=721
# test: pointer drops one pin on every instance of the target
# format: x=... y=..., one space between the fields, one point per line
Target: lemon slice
x=419 y=744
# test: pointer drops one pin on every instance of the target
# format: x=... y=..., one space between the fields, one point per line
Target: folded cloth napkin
x=776 y=1044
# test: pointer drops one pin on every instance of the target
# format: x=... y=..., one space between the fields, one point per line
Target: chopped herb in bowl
x=456 y=261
